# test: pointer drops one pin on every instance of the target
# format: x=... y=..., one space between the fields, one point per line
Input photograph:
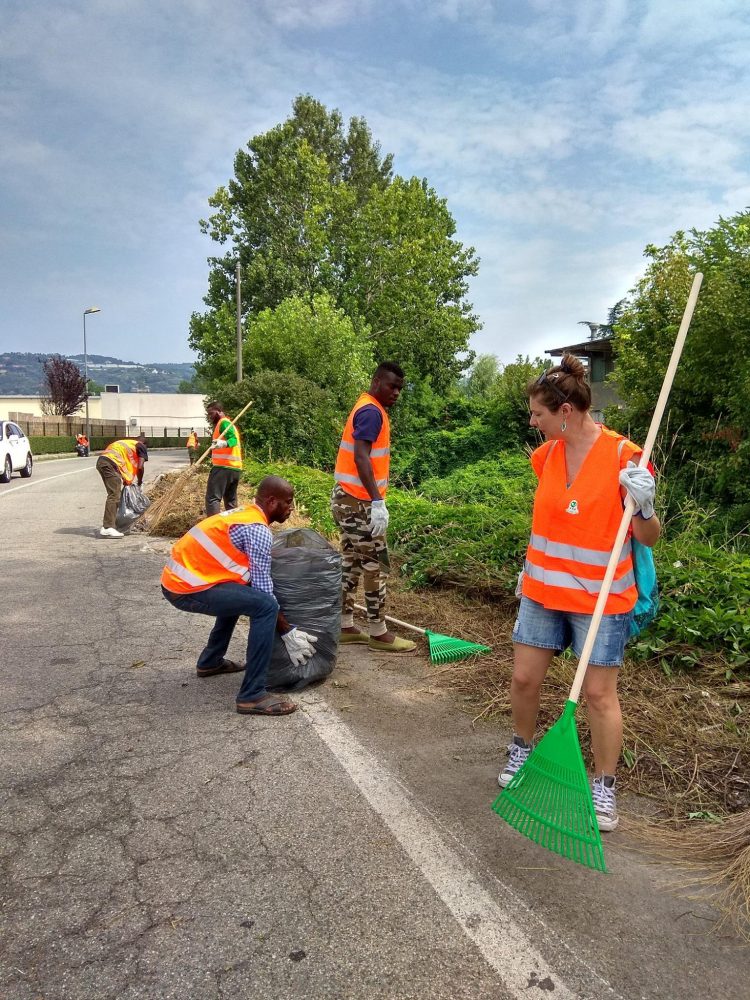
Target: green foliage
x=705 y=595
x=481 y=377
x=709 y=408
x=313 y=209
x=407 y=277
x=316 y=341
x=291 y=417
x=507 y=479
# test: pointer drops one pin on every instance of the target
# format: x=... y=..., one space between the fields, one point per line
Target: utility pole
x=239 y=324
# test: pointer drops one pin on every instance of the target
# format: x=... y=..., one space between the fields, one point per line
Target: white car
x=15 y=452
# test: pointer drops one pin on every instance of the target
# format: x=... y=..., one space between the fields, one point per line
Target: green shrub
x=65 y=444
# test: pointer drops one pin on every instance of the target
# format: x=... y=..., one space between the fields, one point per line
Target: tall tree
x=709 y=405
x=313 y=208
x=63 y=388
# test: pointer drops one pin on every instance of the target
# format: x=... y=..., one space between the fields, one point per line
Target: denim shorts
x=549 y=629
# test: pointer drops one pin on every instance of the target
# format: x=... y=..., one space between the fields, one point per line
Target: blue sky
x=565 y=135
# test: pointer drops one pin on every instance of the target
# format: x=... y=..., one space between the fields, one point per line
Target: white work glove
x=300 y=645
x=641 y=486
x=219 y=443
x=378 y=518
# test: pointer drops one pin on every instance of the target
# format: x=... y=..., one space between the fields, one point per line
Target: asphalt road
x=155 y=844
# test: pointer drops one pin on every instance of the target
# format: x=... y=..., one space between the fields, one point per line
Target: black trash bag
x=133 y=503
x=306 y=572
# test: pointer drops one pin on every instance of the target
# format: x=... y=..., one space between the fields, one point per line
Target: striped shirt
x=255 y=541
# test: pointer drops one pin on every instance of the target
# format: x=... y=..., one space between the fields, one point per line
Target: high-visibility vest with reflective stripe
x=229 y=457
x=192 y=441
x=346 y=473
x=126 y=458
x=574 y=528
x=205 y=556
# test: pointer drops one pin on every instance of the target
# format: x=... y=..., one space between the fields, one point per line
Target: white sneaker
x=605 y=802
x=110 y=533
x=518 y=754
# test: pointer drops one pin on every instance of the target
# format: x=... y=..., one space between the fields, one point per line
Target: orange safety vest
x=192 y=441
x=205 y=556
x=82 y=439
x=229 y=457
x=125 y=457
x=346 y=473
x=573 y=529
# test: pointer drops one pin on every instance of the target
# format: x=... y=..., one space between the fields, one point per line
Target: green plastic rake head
x=444 y=649
x=549 y=799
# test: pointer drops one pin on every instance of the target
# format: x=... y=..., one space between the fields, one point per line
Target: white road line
x=47 y=479
x=501 y=941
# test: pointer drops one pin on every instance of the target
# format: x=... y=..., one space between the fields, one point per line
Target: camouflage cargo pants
x=362 y=555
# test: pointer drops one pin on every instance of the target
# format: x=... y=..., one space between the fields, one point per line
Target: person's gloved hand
x=378 y=518
x=299 y=645
x=219 y=443
x=641 y=486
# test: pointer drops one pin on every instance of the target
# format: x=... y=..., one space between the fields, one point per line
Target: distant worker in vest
x=585 y=472
x=82 y=445
x=192 y=445
x=222 y=568
x=226 y=462
x=359 y=510
x=120 y=464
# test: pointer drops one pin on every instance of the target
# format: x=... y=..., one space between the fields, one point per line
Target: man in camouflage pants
x=358 y=508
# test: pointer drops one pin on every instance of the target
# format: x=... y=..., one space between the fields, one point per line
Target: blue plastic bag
x=647 y=606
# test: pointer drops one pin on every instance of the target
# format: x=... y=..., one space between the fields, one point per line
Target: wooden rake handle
x=627 y=515
x=396 y=621
x=207 y=452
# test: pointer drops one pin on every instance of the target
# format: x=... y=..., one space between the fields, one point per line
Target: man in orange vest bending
x=358 y=508
x=120 y=464
x=222 y=568
x=226 y=462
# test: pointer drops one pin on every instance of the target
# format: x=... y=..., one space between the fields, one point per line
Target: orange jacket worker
x=222 y=568
x=359 y=510
x=226 y=461
x=121 y=463
x=584 y=473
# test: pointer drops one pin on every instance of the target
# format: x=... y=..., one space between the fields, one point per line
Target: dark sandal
x=269 y=704
x=225 y=667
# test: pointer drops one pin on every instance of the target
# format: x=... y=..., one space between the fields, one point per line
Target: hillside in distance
x=21 y=373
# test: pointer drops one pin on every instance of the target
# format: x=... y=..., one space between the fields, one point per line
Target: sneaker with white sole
x=518 y=754
x=605 y=802
x=110 y=533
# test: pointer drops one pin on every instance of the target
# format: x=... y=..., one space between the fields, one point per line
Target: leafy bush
x=64 y=444
x=291 y=417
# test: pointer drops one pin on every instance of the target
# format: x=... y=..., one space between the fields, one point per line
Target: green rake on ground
x=549 y=798
x=443 y=648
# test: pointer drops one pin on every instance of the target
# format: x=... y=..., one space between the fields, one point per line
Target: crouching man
x=222 y=568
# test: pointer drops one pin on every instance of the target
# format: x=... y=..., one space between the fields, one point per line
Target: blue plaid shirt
x=255 y=541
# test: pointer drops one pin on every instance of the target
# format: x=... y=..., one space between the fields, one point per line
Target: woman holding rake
x=585 y=472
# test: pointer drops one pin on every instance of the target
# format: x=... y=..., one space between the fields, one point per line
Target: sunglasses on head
x=548 y=379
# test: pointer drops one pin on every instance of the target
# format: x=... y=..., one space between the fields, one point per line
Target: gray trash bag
x=306 y=572
x=133 y=503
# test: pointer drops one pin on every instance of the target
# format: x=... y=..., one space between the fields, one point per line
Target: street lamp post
x=87 y=312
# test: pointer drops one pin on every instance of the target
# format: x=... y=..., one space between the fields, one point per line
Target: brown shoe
x=225 y=667
x=269 y=704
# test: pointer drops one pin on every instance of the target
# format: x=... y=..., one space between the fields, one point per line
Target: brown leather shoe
x=269 y=704
x=225 y=667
